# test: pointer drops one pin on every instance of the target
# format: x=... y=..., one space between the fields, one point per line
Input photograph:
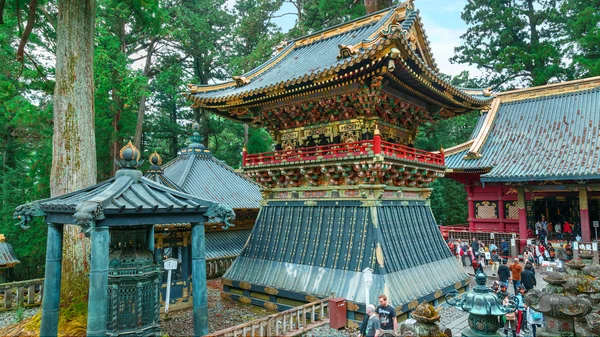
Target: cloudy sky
x=442 y=22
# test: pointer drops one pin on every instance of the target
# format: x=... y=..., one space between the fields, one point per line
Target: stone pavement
x=460 y=321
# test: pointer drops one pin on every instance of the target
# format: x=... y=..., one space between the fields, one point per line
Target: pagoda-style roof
x=389 y=43
x=226 y=243
x=542 y=133
x=197 y=172
x=8 y=258
x=129 y=198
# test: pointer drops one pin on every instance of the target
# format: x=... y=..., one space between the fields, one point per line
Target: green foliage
x=581 y=22
x=513 y=41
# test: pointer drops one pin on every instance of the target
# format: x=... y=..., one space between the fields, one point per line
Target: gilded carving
x=226 y=282
x=438 y=293
x=245 y=285
x=310 y=298
x=379 y=255
x=271 y=291
x=413 y=304
x=352 y=324
x=225 y=296
x=245 y=300
x=271 y=306
x=351 y=306
x=458 y=285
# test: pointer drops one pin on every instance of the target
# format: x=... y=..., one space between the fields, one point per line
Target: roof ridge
x=232 y=170
x=550 y=89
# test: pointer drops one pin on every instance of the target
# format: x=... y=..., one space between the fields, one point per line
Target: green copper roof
x=551 y=137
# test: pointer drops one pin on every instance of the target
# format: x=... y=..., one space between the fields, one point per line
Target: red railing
x=410 y=153
x=342 y=150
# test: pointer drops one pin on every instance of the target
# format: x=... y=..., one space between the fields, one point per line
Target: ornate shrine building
x=345 y=189
x=533 y=154
x=197 y=172
x=8 y=258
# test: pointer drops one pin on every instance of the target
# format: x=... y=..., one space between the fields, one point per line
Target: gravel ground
x=15 y=316
x=222 y=314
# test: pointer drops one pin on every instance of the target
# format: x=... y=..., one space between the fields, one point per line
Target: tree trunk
x=377 y=5
x=245 y=134
x=74 y=144
x=139 y=128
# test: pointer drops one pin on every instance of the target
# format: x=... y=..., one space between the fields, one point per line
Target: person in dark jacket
x=528 y=277
x=504 y=272
x=475 y=246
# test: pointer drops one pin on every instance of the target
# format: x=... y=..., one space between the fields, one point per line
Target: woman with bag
x=536 y=319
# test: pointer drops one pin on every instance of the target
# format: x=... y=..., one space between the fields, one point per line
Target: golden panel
x=413 y=304
x=379 y=255
x=225 y=296
x=271 y=306
x=245 y=285
x=486 y=210
x=351 y=306
x=245 y=300
x=438 y=293
x=352 y=324
x=458 y=285
x=226 y=282
x=311 y=298
x=271 y=291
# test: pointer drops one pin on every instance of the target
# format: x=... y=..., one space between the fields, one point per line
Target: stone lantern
x=134 y=282
x=484 y=307
x=559 y=310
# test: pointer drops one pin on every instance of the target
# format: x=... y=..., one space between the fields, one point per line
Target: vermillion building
x=534 y=154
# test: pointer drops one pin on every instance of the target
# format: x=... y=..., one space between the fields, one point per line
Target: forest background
x=146 y=51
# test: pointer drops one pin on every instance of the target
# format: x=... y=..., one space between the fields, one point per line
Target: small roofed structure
x=533 y=156
x=119 y=215
x=8 y=258
x=209 y=178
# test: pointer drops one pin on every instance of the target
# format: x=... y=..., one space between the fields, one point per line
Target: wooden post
x=376 y=141
x=52 y=281
x=98 y=288
x=584 y=215
x=522 y=217
x=31 y=294
x=199 y=292
x=244 y=156
x=501 y=215
x=471 y=206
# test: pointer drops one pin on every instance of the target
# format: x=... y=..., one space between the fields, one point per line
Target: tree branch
x=278 y=16
x=27 y=31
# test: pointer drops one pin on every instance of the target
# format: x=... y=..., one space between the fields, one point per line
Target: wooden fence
x=287 y=323
x=22 y=293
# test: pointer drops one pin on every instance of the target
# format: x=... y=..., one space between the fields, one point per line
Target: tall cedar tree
x=581 y=21
x=514 y=42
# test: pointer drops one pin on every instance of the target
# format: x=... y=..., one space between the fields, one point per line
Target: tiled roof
x=536 y=134
x=226 y=243
x=313 y=60
x=297 y=253
x=203 y=175
x=7 y=255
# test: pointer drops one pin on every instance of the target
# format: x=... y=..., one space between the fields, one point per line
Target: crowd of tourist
x=514 y=279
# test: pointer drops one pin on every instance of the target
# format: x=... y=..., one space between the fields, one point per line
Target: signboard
x=170 y=264
x=513 y=242
x=596 y=223
x=492 y=235
x=575 y=245
x=595 y=246
x=529 y=241
x=488 y=256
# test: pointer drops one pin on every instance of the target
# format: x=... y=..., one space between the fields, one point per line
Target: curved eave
x=369 y=61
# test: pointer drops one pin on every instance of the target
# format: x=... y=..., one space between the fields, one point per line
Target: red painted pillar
x=501 y=225
x=522 y=217
x=244 y=156
x=584 y=215
x=376 y=141
x=471 y=204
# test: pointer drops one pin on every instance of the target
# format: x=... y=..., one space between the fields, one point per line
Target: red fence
x=343 y=150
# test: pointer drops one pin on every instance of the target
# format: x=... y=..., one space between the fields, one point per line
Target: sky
x=442 y=23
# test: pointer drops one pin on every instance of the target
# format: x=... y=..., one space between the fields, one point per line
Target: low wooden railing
x=289 y=323
x=22 y=293
x=342 y=150
x=216 y=267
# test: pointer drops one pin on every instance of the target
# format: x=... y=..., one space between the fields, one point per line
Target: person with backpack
x=510 y=318
x=536 y=319
x=504 y=272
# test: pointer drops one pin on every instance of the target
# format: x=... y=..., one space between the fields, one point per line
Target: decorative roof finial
x=196 y=139
x=129 y=157
x=155 y=159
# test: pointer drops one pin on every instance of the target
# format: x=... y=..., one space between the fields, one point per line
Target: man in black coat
x=528 y=277
x=504 y=272
x=475 y=246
